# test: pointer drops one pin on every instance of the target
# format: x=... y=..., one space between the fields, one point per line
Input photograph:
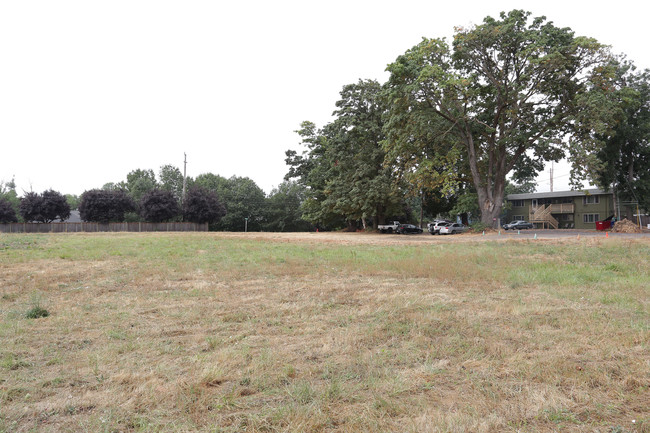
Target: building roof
x=557 y=194
x=74 y=217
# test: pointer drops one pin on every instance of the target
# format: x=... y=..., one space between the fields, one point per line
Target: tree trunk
x=491 y=189
x=380 y=217
x=490 y=203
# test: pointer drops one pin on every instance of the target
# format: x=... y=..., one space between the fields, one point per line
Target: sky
x=91 y=90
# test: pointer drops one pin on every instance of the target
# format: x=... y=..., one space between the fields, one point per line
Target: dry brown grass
x=335 y=333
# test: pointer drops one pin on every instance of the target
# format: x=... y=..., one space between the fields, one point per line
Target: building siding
x=603 y=209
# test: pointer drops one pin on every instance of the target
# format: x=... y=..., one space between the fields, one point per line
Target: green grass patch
x=252 y=332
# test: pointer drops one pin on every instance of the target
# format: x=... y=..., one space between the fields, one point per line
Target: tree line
x=456 y=127
x=459 y=126
x=232 y=204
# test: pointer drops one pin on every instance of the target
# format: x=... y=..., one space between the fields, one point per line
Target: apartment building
x=562 y=209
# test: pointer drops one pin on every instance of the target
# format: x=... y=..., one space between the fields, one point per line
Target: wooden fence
x=101 y=227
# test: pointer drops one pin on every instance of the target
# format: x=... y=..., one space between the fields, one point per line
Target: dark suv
x=408 y=228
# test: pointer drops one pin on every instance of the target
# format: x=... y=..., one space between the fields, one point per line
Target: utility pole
x=551 y=176
x=184 y=177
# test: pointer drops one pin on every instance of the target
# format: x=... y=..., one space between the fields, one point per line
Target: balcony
x=559 y=208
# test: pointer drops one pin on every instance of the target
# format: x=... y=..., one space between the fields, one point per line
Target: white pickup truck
x=389 y=228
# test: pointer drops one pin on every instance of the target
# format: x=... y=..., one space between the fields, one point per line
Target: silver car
x=450 y=229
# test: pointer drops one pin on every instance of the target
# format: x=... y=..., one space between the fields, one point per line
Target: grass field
x=322 y=333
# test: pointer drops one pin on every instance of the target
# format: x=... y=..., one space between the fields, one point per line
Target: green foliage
x=242 y=199
x=478 y=227
x=171 y=179
x=36 y=312
x=343 y=164
x=501 y=100
x=9 y=195
x=7 y=211
x=140 y=182
x=615 y=150
x=284 y=211
x=310 y=169
x=466 y=204
x=212 y=182
x=525 y=187
x=73 y=201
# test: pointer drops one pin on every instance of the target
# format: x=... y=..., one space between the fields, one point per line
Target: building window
x=518 y=218
x=591 y=199
x=518 y=203
x=590 y=217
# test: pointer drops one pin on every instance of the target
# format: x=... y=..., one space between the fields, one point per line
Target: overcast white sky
x=91 y=90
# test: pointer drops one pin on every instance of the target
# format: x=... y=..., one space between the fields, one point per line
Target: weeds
x=226 y=332
x=36 y=312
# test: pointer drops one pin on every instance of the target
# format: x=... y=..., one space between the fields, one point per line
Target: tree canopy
x=101 y=205
x=44 y=208
x=139 y=182
x=202 y=206
x=158 y=206
x=503 y=98
x=245 y=204
x=7 y=211
x=284 y=211
x=620 y=157
x=171 y=179
x=343 y=164
x=10 y=197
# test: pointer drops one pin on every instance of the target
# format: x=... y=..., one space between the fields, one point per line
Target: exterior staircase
x=542 y=215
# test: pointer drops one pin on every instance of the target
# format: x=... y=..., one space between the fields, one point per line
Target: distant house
x=74 y=217
x=562 y=209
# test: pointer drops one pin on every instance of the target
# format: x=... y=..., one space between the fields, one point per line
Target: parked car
x=434 y=222
x=408 y=228
x=450 y=229
x=435 y=229
x=518 y=225
x=391 y=227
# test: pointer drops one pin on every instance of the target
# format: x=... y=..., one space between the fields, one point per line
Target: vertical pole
x=421 y=206
x=184 y=177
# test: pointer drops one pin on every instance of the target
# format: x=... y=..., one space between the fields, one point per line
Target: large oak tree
x=502 y=98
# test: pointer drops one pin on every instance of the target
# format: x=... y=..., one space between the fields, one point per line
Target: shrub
x=37 y=312
x=158 y=206
x=202 y=206
x=7 y=212
x=44 y=208
x=99 y=205
x=479 y=227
